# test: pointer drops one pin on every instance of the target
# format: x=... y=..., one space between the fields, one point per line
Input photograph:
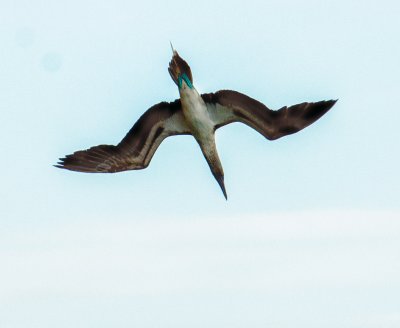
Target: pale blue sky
x=161 y=247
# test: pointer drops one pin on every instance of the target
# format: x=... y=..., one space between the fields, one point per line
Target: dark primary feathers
x=137 y=148
x=166 y=119
x=227 y=106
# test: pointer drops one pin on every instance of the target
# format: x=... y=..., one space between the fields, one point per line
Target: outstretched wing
x=137 y=148
x=226 y=106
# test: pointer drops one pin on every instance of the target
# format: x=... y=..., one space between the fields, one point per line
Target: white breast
x=195 y=112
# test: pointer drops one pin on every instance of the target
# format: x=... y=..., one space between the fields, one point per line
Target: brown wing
x=137 y=148
x=228 y=106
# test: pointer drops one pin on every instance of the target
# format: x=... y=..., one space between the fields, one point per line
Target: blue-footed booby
x=199 y=115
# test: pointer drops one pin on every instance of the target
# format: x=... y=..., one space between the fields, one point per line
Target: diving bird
x=199 y=115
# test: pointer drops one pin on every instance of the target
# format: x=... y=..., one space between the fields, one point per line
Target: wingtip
x=332 y=103
x=61 y=163
x=327 y=104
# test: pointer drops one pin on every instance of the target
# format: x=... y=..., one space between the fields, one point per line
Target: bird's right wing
x=226 y=106
x=137 y=148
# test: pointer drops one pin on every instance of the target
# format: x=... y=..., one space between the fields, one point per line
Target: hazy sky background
x=310 y=236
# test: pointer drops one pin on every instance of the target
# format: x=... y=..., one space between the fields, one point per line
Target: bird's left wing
x=227 y=106
x=137 y=148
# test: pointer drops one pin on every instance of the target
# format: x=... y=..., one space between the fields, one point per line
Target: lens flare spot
x=51 y=62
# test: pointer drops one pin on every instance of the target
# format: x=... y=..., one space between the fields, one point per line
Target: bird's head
x=180 y=71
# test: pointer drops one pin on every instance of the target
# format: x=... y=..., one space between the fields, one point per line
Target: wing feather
x=138 y=146
x=227 y=106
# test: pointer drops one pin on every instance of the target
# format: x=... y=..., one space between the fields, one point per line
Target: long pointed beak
x=220 y=180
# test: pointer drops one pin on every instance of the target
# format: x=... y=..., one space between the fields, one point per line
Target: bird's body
x=196 y=115
x=195 y=112
x=201 y=125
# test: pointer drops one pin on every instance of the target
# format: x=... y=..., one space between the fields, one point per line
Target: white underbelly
x=196 y=115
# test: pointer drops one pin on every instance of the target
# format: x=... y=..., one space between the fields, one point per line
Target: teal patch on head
x=186 y=79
